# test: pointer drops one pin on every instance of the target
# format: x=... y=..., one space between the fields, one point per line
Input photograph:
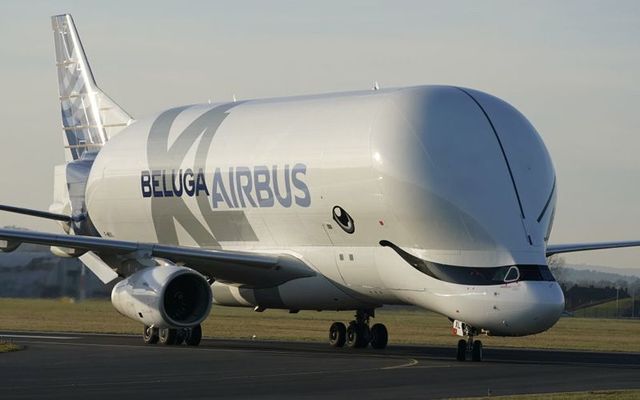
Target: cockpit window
x=513 y=274
x=475 y=275
x=485 y=276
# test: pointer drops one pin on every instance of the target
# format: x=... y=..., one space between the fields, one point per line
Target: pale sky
x=572 y=67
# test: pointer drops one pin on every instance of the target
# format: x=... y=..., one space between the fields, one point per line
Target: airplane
x=440 y=197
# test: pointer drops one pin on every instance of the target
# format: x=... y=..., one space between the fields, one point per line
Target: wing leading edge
x=246 y=268
x=569 y=248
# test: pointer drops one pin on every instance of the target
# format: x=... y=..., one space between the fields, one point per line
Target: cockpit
x=475 y=275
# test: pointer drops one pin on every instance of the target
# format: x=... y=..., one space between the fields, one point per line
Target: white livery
x=435 y=196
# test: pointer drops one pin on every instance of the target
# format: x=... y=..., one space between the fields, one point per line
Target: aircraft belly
x=314 y=293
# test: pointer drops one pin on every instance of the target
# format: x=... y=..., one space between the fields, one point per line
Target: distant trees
x=556 y=265
x=580 y=296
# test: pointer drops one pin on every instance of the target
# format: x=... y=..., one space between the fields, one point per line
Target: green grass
x=608 y=309
x=406 y=326
x=596 y=395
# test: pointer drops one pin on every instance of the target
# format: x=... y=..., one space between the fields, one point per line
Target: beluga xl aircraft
x=440 y=197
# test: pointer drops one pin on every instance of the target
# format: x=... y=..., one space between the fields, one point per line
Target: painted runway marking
x=208 y=349
x=411 y=363
x=40 y=337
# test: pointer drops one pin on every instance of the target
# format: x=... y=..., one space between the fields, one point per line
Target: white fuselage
x=454 y=177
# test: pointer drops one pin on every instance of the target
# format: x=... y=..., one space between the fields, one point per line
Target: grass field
x=608 y=309
x=408 y=326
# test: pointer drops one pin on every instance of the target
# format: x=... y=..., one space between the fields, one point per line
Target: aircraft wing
x=569 y=248
x=246 y=268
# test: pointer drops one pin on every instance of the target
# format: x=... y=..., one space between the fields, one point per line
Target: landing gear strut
x=469 y=346
x=172 y=336
x=358 y=334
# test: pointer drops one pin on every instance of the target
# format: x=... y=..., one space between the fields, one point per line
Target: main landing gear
x=358 y=334
x=469 y=346
x=172 y=336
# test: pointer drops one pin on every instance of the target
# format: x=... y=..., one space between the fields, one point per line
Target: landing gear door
x=356 y=264
x=358 y=268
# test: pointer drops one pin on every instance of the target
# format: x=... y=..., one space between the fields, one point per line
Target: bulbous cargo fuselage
x=453 y=177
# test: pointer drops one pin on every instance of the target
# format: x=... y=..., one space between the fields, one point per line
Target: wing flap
x=99 y=268
x=245 y=268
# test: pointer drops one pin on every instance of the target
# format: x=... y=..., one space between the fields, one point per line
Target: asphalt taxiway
x=91 y=366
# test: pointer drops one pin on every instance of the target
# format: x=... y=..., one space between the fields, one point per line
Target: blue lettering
x=219 y=192
x=244 y=189
x=232 y=188
x=177 y=188
x=304 y=201
x=284 y=201
x=165 y=191
x=145 y=184
x=155 y=183
x=201 y=185
x=189 y=181
x=263 y=186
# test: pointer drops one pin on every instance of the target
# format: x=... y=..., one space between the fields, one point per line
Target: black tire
x=150 y=335
x=167 y=336
x=476 y=352
x=462 y=350
x=379 y=336
x=337 y=334
x=358 y=335
x=194 y=336
x=181 y=336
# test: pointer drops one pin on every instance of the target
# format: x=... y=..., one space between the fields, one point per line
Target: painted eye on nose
x=343 y=219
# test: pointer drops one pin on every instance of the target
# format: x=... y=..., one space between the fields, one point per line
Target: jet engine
x=166 y=296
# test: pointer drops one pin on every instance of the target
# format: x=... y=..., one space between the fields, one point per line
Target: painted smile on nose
x=343 y=219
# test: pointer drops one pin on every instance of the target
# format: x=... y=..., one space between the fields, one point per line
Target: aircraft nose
x=550 y=300
x=542 y=307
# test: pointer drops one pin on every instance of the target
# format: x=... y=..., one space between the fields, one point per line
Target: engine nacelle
x=165 y=297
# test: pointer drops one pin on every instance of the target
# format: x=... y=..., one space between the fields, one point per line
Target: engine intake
x=165 y=297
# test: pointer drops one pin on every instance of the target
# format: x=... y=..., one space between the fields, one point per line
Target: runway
x=114 y=366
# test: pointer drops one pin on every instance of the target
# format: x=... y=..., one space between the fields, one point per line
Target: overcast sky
x=572 y=67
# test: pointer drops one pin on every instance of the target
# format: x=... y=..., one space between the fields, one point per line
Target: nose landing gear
x=469 y=346
x=358 y=334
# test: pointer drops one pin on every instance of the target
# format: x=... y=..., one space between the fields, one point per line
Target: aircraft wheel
x=167 y=336
x=194 y=336
x=476 y=352
x=357 y=335
x=379 y=336
x=181 y=335
x=462 y=350
x=150 y=335
x=337 y=334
